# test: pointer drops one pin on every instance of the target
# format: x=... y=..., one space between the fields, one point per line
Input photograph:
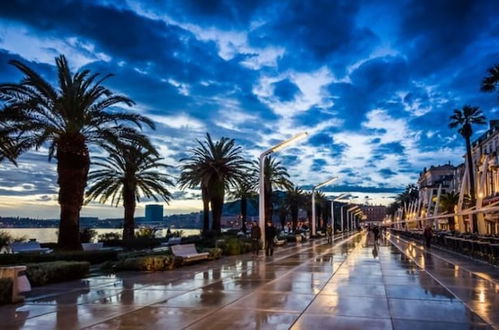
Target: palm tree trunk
x=472 y=181
x=73 y=162
x=268 y=201
x=206 y=209
x=244 y=213
x=129 y=204
x=217 y=192
x=294 y=217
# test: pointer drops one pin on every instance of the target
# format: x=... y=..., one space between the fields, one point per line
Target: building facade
x=154 y=213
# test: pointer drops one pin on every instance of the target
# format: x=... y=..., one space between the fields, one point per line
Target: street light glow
x=286 y=143
x=326 y=183
x=277 y=147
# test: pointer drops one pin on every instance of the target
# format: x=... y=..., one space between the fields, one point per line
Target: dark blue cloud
x=406 y=58
x=285 y=90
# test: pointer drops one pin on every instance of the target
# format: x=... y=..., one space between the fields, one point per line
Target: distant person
x=256 y=235
x=329 y=233
x=376 y=233
x=428 y=235
x=168 y=232
x=270 y=234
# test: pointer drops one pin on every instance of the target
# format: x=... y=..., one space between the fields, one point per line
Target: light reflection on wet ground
x=313 y=285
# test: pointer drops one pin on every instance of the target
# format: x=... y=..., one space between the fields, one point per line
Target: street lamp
x=349 y=216
x=277 y=147
x=340 y=197
x=313 y=199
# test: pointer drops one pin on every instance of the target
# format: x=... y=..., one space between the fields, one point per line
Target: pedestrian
x=270 y=234
x=329 y=233
x=256 y=235
x=376 y=233
x=428 y=235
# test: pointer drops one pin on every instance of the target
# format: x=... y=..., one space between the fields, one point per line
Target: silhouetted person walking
x=270 y=234
x=376 y=233
x=428 y=235
x=256 y=235
x=329 y=233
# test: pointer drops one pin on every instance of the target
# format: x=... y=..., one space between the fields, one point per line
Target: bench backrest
x=24 y=246
x=184 y=250
x=176 y=240
x=92 y=246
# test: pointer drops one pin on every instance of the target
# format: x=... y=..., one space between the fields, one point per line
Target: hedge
x=135 y=244
x=93 y=257
x=235 y=246
x=5 y=291
x=56 y=271
x=148 y=263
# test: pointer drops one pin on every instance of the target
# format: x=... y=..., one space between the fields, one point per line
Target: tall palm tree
x=464 y=119
x=244 y=190
x=295 y=199
x=190 y=177
x=491 y=82
x=448 y=202
x=220 y=166
x=68 y=117
x=124 y=176
x=275 y=177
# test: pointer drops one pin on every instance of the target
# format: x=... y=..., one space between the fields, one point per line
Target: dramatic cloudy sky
x=373 y=82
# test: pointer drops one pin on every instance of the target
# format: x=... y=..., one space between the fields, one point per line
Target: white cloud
x=312 y=91
x=16 y=39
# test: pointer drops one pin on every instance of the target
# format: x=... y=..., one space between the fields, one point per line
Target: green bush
x=215 y=253
x=6 y=239
x=146 y=232
x=135 y=244
x=93 y=257
x=234 y=246
x=109 y=237
x=56 y=271
x=87 y=235
x=148 y=263
x=5 y=291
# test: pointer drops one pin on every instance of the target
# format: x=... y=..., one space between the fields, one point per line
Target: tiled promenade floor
x=351 y=285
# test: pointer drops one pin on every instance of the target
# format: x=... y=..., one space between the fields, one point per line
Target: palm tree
x=276 y=176
x=464 y=119
x=219 y=165
x=244 y=190
x=491 y=82
x=68 y=118
x=448 y=202
x=295 y=199
x=124 y=176
x=190 y=177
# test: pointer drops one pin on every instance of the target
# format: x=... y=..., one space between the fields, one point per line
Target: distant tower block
x=154 y=213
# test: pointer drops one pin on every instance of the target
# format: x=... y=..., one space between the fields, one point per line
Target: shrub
x=234 y=246
x=93 y=257
x=148 y=263
x=56 y=271
x=87 y=235
x=5 y=291
x=135 y=244
x=6 y=239
x=109 y=237
x=146 y=232
x=215 y=253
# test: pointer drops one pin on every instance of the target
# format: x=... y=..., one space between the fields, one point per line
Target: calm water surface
x=46 y=235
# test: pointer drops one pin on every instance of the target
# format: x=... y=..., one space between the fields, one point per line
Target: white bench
x=279 y=242
x=26 y=247
x=92 y=246
x=20 y=283
x=172 y=241
x=188 y=252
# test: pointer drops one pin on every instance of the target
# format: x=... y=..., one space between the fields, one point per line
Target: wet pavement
x=352 y=284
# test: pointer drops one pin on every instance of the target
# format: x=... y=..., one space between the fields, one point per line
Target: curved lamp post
x=313 y=200
x=277 y=147
x=340 y=197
